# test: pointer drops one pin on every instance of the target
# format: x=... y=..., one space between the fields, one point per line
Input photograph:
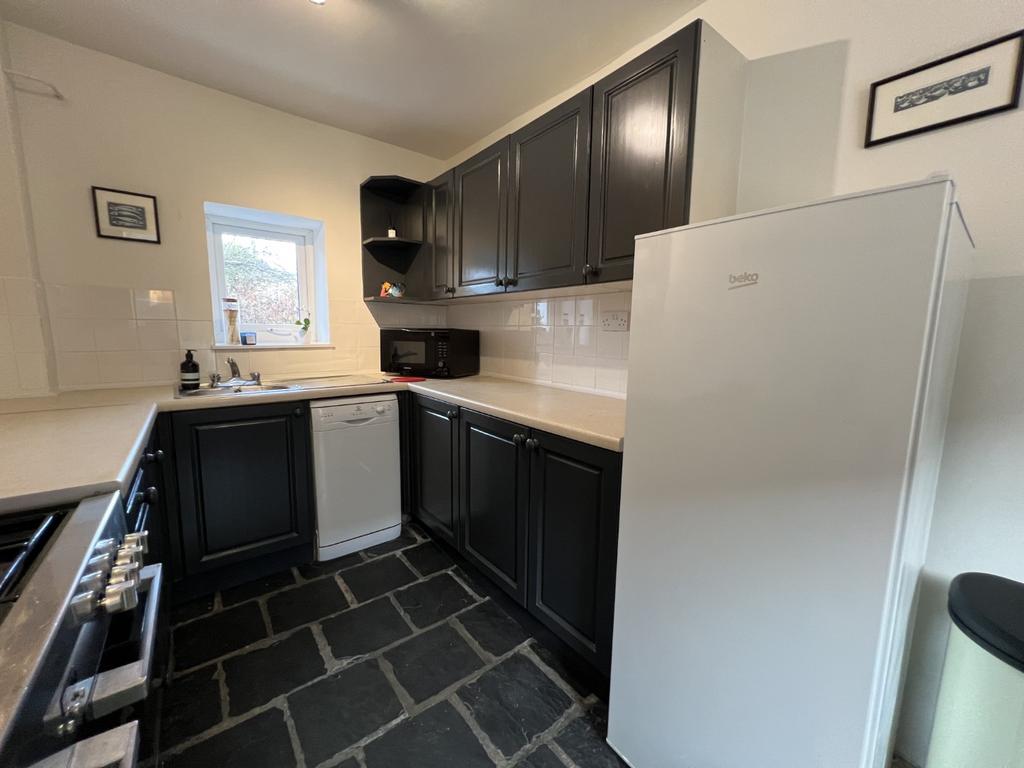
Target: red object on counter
x=406 y=379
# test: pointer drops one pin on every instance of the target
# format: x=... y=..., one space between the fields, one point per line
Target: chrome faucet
x=236 y=376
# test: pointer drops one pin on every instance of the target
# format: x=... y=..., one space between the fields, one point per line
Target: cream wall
x=128 y=127
x=979 y=522
x=25 y=356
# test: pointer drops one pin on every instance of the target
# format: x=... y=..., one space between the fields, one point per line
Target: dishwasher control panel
x=355 y=410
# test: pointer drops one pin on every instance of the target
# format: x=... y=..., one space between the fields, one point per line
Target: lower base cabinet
x=244 y=484
x=535 y=512
x=573 y=542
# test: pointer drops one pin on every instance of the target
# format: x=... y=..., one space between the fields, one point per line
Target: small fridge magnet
x=978 y=81
x=124 y=215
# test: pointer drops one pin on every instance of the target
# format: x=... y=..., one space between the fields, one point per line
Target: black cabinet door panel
x=435 y=468
x=640 y=163
x=495 y=498
x=481 y=217
x=574 y=514
x=548 y=203
x=440 y=228
x=244 y=482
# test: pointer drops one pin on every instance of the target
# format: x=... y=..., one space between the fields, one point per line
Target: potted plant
x=302 y=334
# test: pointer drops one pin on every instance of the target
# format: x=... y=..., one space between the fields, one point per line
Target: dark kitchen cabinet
x=494 y=498
x=434 y=454
x=641 y=152
x=536 y=513
x=550 y=169
x=440 y=234
x=243 y=483
x=574 y=524
x=481 y=218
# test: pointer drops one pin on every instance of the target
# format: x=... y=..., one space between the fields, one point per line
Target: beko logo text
x=742 y=280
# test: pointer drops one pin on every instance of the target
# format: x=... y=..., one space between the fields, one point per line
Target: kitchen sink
x=241 y=389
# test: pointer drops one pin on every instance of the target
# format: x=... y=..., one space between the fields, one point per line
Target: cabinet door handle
x=533 y=444
x=451 y=291
x=155 y=457
x=589 y=270
x=151 y=495
x=452 y=415
x=499 y=283
x=517 y=439
x=297 y=412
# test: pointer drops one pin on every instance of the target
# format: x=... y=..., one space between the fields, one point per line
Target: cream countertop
x=62 y=448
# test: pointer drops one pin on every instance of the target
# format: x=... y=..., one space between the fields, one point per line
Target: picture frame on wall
x=973 y=83
x=122 y=215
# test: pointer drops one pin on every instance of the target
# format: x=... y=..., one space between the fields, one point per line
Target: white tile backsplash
x=157 y=334
x=23 y=345
x=553 y=340
x=153 y=304
x=21 y=297
x=115 y=335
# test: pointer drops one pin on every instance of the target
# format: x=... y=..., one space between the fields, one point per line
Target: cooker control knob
x=83 y=607
x=128 y=554
x=105 y=547
x=122 y=573
x=380 y=409
x=94 y=581
x=101 y=562
x=140 y=540
x=120 y=597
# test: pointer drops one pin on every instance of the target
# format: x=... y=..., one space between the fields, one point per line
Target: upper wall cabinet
x=440 y=231
x=481 y=208
x=548 y=202
x=642 y=137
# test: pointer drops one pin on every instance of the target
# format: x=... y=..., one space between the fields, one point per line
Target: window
x=273 y=264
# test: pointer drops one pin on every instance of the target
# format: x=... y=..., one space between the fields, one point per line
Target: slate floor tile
x=254 y=678
x=190 y=704
x=405 y=539
x=306 y=603
x=256 y=588
x=513 y=702
x=437 y=738
x=429 y=663
x=364 y=629
x=378 y=577
x=191 y=610
x=259 y=741
x=334 y=713
x=217 y=634
x=553 y=660
x=313 y=570
x=584 y=741
x=542 y=757
x=428 y=558
x=428 y=602
x=496 y=631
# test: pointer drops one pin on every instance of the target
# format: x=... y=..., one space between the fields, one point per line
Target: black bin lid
x=990 y=610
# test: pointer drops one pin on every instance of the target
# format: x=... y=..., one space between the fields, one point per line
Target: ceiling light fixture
x=318 y=2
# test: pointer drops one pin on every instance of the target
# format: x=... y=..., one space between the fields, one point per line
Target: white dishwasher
x=358 y=480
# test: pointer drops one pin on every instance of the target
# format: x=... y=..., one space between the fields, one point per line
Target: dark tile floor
x=383 y=659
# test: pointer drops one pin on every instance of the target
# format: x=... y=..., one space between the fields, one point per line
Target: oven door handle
x=119 y=687
x=116 y=748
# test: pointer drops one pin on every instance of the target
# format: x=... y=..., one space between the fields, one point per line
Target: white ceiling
x=430 y=75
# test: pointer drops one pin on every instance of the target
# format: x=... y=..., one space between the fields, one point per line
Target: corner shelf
x=396 y=243
x=393 y=300
x=396 y=188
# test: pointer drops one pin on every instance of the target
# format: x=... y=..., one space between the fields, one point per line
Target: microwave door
x=407 y=354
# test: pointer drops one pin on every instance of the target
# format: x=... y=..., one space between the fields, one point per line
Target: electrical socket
x=615 y=320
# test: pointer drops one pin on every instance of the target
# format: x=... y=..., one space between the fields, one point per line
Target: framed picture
x=124 y=215
x=980 y=81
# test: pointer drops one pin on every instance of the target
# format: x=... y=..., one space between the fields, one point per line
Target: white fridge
x=789 y=378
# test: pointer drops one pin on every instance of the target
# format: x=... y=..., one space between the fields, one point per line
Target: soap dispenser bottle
x=189 y=372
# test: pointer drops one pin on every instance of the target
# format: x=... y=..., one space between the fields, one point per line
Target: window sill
x=249 y=347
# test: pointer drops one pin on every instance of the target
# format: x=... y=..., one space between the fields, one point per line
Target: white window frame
x=308 y=236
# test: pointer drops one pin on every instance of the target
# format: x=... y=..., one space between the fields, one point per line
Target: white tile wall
x=555 y=340
x=108 y=336
x=23 y=353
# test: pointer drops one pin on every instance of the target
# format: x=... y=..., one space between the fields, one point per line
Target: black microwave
x=434 y=352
